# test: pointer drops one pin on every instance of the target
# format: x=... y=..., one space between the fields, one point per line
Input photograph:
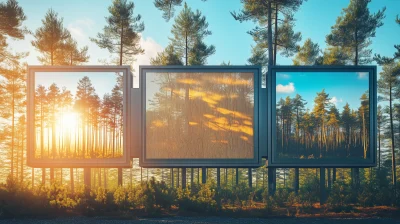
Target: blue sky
x=342 y=87
x=314 y=19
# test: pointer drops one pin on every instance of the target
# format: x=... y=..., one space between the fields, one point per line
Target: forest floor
x=254 y=214
x=202 y=220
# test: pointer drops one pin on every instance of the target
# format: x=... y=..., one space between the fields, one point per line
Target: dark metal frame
x=124 y=162
x=271 y=82
x=260 y=124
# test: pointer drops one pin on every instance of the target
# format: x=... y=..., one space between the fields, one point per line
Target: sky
x=314 y=19
x=84 y=19
x=103 y=82
x=342 y=87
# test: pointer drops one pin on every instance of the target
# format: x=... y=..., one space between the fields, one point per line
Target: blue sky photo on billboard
x=342 y=87
x=322 y=116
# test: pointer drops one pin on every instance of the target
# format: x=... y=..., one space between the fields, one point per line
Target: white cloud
x=78 y=27
x=151 y=48
x=335 y=100
x=362 y=75
x=289 y=88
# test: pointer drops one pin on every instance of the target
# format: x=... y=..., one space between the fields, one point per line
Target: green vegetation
x=154 y=198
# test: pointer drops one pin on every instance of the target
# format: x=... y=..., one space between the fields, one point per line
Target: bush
x=309 y=192
x=17 y=201
x=281 y=196
x=121 y=198
x=146 y=196
x=339 y=198
x=164 y=196
x=204 y=201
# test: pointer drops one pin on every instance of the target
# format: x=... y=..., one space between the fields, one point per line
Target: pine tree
x=72 y=55
x=167 y=7
x=85 y=93
x=307 y=54
x=335 y=56
x=200 y=52
x=266 y=13
x=12 y=103
x=53 y=95
x=189 y=30
x=385 y=60
x=167 y=57
x=381 y=122
x=121 y=35
x=388 y=83
x=320 y=110
x=354 y=30
x=364 y=118
x=11 y=18
x=50 y=39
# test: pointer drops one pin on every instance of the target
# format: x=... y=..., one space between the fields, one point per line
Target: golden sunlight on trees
x=78 y=125
x=220 y=119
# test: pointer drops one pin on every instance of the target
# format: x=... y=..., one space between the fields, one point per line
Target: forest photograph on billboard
x=323 y=116
x=79 y=116
x=196 y=116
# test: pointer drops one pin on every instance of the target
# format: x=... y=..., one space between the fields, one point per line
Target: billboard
x=78 y=116
x=206 y=116
x=322 y=116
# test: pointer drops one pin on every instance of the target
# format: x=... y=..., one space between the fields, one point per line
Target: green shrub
x=339 y=198
x=204 y=201
x=59 y=197
x=121 y=198
x=164 y=196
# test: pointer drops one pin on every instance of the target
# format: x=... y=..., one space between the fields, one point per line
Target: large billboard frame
x=260 y=122
x=123 y=162
x=339 y=163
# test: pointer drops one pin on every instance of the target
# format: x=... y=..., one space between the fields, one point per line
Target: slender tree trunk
x=272 y=180
x=392 y=138
x=276 y=32
x=379 y=145
x=12 y=131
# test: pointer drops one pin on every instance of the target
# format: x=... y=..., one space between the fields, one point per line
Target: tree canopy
x=354 y=30
x=121 y=35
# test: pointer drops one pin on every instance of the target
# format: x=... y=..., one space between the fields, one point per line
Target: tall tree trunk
x=379 y=145
x=276 y=32
x=12 y=131
x=272 y=182
x=392 y=138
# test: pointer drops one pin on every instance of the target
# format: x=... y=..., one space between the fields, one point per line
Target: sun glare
x=69 y=120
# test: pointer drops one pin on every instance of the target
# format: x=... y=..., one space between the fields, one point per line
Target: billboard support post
x=218 y=177
x=250 y=176
x=87 y=177
x=172 y=177
x=203 y=175
x=183 y=178
x=271 y=180
x=191 y=177
x=296 y=181
x=237 y=176
x=119 y=176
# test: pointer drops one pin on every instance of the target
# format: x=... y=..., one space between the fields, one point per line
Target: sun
x=69 y=120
